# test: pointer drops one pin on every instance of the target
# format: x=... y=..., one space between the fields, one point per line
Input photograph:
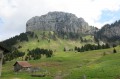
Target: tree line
x=12 y=41
x=18 y=38
x=89 y=47
x=13 y=55
x=36 y=53
x=31 y=55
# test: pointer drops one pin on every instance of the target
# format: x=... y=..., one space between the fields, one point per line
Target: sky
x=15 y=13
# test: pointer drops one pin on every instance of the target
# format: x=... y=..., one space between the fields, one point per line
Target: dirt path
x=58 y=75
x=16 y=78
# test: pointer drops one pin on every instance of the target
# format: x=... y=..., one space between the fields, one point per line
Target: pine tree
x=114 y=50
x=64 y=49
x=76 y=49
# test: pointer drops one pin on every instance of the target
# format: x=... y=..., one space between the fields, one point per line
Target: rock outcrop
x=59 y=21
x=110 y=32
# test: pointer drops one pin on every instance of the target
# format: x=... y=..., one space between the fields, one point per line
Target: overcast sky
x=15 y=13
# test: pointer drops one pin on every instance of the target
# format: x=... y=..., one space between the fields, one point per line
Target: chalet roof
x=23 y=63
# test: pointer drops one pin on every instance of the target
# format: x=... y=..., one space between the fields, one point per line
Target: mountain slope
x=71 y=65
x=110 y=32
x=59 y=21
x=44 y=39
x=97 y=64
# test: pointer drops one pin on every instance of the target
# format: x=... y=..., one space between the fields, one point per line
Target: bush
x=114 y=50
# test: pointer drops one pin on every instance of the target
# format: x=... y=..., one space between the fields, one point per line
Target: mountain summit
x=59 y=21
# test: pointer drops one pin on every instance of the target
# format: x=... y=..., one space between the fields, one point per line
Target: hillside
x=48 y=40
x=65 y=64
x=63 y=46
x=71 y=65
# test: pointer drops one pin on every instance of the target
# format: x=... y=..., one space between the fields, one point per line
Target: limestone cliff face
x=59 y=21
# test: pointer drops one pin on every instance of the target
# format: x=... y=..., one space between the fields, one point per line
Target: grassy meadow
x=71 y=65
x=97 y=64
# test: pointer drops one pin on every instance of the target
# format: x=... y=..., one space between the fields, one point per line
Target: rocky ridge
x=59 y=21
x=109 y=32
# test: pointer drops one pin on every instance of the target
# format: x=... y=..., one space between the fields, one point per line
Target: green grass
x=57 y=45
x=70 y=64
x=73 y=65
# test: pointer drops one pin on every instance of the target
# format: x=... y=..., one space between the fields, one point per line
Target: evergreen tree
x=81 y=39
x=103 y=46
x=64 y=49
x=114 y=50
x=75 y=48
x=99 y=46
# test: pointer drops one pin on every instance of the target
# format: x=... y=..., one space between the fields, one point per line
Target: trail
x=58 y=75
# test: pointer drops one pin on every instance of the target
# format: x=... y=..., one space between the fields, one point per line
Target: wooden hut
x=21 y=65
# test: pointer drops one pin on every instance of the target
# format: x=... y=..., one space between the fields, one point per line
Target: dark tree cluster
x=12 y=41
x=114 y=50
x=22 y=37
x=68 y=35
x=49 y=36
x=31 y=34
x=36 y=53
x=13 y=55
x=85 y=40
x=89 y=47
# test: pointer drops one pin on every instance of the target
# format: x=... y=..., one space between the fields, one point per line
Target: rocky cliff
x=59 y=21
x=110 y=32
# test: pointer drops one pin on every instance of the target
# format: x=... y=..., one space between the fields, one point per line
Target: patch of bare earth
x=60 y=75
x=15 y=78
